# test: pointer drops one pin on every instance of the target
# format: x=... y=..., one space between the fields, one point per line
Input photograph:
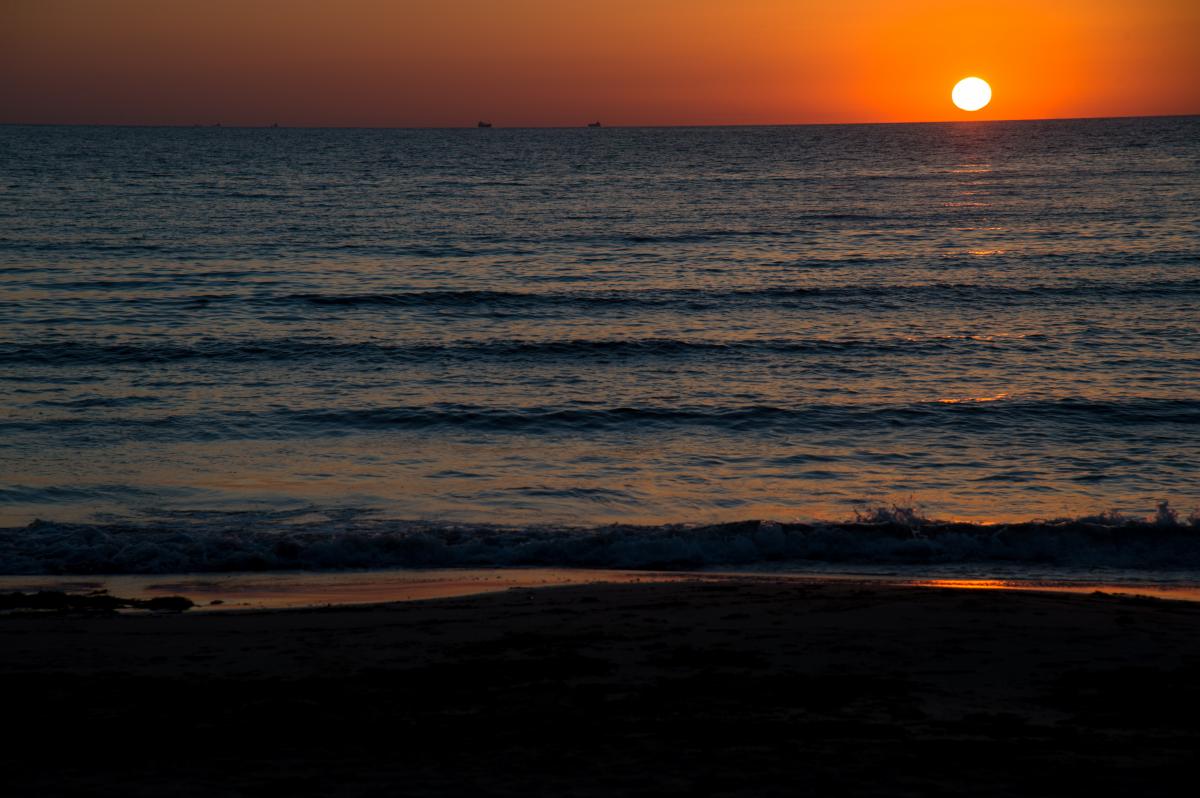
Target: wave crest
x=256 y=542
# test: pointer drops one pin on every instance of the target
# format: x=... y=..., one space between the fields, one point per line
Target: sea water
x=225 y=348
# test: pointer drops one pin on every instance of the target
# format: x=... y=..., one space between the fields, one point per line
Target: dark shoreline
x=736 y=688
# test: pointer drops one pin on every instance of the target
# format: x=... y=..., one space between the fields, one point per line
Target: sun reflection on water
x=974 y=399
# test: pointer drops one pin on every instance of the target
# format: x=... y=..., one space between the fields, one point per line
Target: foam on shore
x=230 y=542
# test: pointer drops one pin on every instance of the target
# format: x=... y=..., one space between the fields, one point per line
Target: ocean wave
x=20 y=494
x=668 y=299
x=90 y=353
x=778 y=295
x=980 y=413
x=718 y=233
x=815 y=416
x=258 y=542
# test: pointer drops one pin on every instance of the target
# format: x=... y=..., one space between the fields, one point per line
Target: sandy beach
x=729 y=688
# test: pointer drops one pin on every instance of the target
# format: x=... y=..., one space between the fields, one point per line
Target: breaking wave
x=895 y=536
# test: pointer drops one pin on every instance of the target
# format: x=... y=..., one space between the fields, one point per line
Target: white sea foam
x=252 y=541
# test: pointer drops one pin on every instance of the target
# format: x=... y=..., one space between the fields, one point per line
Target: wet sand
x=733 y=687
x=249 y=590
x=224 y=592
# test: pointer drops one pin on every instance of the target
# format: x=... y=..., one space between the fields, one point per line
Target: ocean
x=227 y=349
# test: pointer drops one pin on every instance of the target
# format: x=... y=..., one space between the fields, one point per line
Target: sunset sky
x=567 y=62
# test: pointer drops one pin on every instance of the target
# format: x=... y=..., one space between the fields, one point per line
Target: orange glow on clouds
x=548 y=62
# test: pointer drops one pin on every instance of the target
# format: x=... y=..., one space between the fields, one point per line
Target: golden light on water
x=973 y=399
x=971 y=94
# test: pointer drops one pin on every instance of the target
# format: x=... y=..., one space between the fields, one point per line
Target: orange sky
x=567 y=62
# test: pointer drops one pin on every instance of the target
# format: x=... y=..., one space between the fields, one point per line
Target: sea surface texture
x=251 y=332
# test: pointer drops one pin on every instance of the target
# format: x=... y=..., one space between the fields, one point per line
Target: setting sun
x=971 y=94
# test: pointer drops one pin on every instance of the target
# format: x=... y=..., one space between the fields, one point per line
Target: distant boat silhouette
x=593 y=124
x=484 y=124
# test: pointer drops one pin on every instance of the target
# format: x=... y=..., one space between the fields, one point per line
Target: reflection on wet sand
x=293 y=590
x=1177 y=592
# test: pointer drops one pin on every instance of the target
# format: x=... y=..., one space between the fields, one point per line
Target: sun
x=971 y=94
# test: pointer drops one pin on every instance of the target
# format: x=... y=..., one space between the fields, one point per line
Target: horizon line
x=585 y=125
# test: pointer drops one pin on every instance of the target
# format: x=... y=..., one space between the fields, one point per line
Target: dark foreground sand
x=743 y=688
